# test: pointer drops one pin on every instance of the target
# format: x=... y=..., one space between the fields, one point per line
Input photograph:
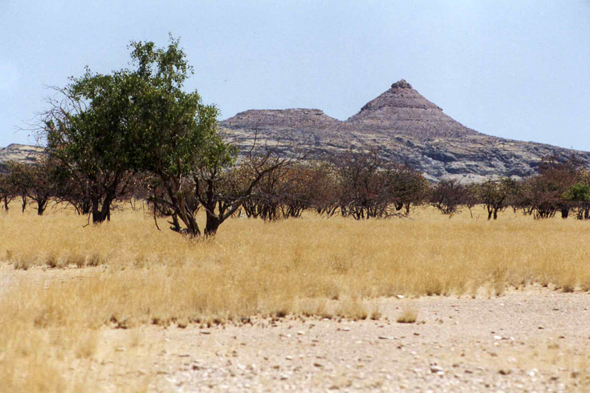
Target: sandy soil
x=534 y=340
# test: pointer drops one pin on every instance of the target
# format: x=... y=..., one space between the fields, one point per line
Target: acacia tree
x=543 y=195
x=105 y=129
x=405 y=186
x=7 y=192
x=88 y=129
x=284 y=193
x=325 y=190
x=448 y=196
x=579 y=195
x=361 y=183
x=175 y=138
x=495 y=195
x=19 y=180
x=40 y=181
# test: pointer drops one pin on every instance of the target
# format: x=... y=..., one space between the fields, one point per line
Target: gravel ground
x=531 y=340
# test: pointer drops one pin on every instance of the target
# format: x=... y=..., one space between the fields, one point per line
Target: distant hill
x=405 y=127
x=400 y=123
x=16 y=152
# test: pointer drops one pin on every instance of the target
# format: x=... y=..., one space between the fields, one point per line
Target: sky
x=513 y=69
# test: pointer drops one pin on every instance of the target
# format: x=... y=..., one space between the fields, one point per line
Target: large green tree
x=176 y=139
x=88 y=130
x=140 y=120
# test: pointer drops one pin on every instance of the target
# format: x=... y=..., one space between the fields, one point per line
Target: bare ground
x=536 y=339
x=532 y=340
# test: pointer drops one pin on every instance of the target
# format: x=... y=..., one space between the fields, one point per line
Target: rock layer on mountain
x=285 y=118
x=404 y=126
x=405 y=111
x=17 y=152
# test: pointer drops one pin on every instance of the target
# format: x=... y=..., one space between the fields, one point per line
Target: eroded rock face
x=402 y=125
x=285 y=129
x=16 y=152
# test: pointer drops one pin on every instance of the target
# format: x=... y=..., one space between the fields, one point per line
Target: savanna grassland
x=66 y=287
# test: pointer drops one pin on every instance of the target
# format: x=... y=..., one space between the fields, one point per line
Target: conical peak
x=403 y=110
x=401 y=84
x=400 y=96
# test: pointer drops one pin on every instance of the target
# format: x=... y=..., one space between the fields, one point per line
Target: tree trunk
x=175 y=225
x=211 y=225
x=95 y=212
x=86 y=206
x=101 y=213
x=41 y=206
x=192 y=228
x=565 y=212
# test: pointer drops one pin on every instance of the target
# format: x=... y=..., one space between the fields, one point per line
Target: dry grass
x=134 y=274
x=409 y=314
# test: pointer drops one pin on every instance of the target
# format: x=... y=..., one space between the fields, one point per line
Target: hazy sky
x=516 y=69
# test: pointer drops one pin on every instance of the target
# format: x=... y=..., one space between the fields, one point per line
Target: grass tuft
x=409 y=314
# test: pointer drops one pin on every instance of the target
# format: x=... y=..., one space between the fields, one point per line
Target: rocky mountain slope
x=16 y=152
x=402 y=125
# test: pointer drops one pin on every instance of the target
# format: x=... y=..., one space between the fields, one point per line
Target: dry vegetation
x=409 y=314
x=133 y=274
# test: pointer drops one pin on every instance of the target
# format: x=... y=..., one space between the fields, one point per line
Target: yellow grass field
x=61 y=281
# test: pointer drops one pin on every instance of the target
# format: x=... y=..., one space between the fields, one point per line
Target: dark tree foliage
x=88 y=129
x=371 y=187
x=297 y=191
x=32 y=182
x=362 y=185
x=405 y=187
x=7 y=191
x=578 y=195
x=19 y=180
x=324 y=189
x=495 y=195
x=356 y=185
x=284 y=193
x=265 y=200
x=542 y=195
x=539 y=198
x=222 y=193
x=105 y=131
x=69 y=190
x=449 y=195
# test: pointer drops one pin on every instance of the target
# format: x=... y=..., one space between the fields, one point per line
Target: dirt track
x=533 y=340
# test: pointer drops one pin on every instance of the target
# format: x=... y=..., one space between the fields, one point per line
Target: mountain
x=16 y=152
x=404 y=126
